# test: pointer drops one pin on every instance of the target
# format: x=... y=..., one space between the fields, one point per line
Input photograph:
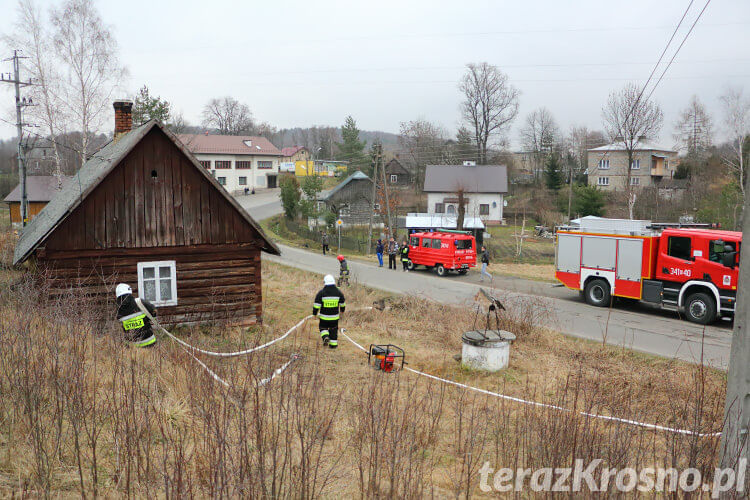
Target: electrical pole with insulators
x=20 y=104
x=734 y=452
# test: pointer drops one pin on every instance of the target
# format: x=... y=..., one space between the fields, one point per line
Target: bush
x=290 y=196
x=587 y=200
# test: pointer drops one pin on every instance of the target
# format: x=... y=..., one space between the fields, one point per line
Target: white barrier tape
x=545 y=405
x=238 y=353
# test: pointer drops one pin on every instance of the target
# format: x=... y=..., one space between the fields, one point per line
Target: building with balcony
x=652 y=163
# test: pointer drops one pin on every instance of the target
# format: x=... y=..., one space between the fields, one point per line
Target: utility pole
x=372 y=202
x=385 y=188
x=20 y=103
x=734 y=452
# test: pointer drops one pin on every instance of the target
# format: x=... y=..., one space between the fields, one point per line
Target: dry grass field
x=81 y=413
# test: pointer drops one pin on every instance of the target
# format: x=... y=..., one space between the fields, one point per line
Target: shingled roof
x=229 y=144
x=472 y=178
x=93 y=172
x=39 y=188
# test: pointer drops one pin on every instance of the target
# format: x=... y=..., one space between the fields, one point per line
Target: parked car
x=443 y=251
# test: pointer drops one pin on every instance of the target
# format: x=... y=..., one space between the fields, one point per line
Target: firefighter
x=330 y=303
x=343 y=270
x=134 y=318
x=405 y=255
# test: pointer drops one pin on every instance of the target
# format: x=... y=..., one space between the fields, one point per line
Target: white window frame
x=376 y=206
x=604 y=164
x=173 y=277
x=239 y=180
x=219 y=178
x=635 y=181
x=602 y=181
x=636 y=165
x=394 y=178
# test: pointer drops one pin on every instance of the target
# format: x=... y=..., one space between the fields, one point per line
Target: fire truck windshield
x=463 y=244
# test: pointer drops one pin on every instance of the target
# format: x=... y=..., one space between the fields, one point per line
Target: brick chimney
x=123 y=117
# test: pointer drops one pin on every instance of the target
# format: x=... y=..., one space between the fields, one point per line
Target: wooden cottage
x=397 y=175
x=143 y=211
x=40 y=189
x=351 y=200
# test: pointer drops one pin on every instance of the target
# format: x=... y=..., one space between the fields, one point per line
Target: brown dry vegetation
x=82 y=413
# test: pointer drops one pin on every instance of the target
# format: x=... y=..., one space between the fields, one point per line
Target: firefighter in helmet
x=343 y=270
x=134 y=315
x=405 y=255
x=329 y=304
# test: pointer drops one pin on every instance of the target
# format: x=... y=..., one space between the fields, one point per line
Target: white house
x=484 y=187
x=238 y=162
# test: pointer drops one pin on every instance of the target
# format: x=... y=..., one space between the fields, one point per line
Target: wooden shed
x=351 y=200
x=143 y=211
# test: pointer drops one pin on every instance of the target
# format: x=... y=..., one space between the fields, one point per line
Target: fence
x=354 y=239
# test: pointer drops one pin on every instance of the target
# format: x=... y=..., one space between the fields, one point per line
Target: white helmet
x=329 y=280
x=123 y=289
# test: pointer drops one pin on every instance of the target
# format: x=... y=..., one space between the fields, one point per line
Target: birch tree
x=539 y=136
x=90 y=70
x=694 y=128
x=32 y=37
x=490 y=104
x=628 y=120
x=736 y=108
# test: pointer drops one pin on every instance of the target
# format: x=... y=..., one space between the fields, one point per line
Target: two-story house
x=291 y=155
x=483 y=186
x=608 y=165
x=238 y=162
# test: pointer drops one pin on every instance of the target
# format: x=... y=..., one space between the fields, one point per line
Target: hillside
x=82 y=412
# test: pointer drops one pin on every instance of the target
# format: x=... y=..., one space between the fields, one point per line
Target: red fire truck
x=691 y=268
x=442 y=251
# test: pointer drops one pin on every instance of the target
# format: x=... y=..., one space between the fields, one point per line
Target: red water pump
x=385 y=357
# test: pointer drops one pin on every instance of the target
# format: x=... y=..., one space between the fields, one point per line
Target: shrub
x=290 y=196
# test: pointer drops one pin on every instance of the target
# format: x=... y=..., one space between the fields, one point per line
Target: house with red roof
x=291 y=155
x=240 y=163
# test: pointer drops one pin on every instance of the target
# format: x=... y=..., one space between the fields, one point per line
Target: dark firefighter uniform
x=328 y=305
x=135 y=323
x=405 y=256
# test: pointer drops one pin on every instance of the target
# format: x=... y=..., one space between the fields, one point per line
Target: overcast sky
x=300 y=63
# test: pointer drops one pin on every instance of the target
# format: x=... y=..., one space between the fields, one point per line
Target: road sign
x=339 y=222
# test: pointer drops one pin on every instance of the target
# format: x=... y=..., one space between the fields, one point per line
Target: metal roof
x=639 y=146
x=88 y=178
x=440 y=221
x=39 y=188
x=470 y=178
x=229 y=144
x=358 y=175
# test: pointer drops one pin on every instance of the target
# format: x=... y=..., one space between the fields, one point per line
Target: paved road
x=635 y=326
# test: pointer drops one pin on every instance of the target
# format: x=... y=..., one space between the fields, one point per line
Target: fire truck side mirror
x=727 y=259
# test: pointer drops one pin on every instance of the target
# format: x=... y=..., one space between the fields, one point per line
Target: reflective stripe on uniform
x=329 y=317
x=145 y=343
x=132 y=322
x=330 y=301
x=323 y=333
x=316 y=305
x=333 y=343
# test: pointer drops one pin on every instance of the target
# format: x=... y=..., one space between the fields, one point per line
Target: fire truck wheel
x=597 y=293
x=440 y=270
x=410 y=265
x=700 y=308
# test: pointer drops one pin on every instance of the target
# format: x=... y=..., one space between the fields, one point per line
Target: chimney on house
x=123 y=117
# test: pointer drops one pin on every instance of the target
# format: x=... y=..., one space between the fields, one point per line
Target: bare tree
x=32 y=37
x=578 y=142
x=490 y=104
x=423 y=143
x=90 y=71
x=694 y=128
x=628 y=120
x=540 y=135
x=228 y=116
x=736 y=109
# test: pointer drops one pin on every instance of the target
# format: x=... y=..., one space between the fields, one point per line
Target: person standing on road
x=392 y=251
x=405 y=255
x=324 y=241
x=379 y=252
x=329 y=305
x=485 y=263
